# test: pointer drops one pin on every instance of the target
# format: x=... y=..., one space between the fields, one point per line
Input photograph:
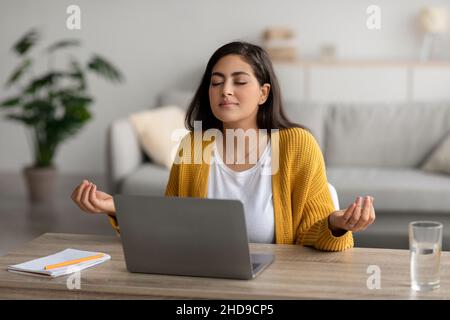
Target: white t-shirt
x=253 y=187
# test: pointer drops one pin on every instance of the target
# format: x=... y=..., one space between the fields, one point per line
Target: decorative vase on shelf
x=434 y=23
x=280 y=43
x=328 y=52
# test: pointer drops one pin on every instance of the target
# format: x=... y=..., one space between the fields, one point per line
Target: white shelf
x=363 y=63
x=364 y=80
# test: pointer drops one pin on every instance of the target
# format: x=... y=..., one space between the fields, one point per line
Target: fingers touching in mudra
x=89 y=199
x=357 y=217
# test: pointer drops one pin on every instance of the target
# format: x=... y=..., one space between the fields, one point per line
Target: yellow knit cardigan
x=301 y=199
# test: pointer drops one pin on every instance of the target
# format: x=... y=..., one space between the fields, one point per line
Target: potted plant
x=54 y=105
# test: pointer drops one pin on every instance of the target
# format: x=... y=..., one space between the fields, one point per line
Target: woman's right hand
x=90 y=200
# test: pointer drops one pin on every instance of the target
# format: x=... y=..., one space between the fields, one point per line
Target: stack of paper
x=61 y=263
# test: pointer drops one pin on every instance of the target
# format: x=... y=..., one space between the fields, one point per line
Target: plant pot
x=40 y=183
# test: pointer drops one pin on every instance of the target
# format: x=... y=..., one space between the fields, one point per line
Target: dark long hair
x=270 y=114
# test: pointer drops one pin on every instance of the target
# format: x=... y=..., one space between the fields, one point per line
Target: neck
x=240 y=125
x=247 y=147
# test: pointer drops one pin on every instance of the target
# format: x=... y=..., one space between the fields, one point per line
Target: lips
x=227 y=104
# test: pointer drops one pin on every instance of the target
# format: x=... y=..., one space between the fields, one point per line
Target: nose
x=227 y=89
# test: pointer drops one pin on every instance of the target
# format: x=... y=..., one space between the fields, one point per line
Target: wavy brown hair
x=270 y=114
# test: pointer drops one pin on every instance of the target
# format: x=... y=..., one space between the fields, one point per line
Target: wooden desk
x=297 y=273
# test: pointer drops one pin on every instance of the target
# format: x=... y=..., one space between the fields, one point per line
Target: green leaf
x=28 y=120
x=71 y=98
x=63 y=44
x=26 y=42
x=46 y=80
x=78 y=75
x=40 y=106
x=73 y=119
x=104 y=68
x=77 y=114
x=11 y=102
x=18 y=72
x=76 y=101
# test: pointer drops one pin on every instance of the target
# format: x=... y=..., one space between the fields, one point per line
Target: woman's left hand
x=357 y=217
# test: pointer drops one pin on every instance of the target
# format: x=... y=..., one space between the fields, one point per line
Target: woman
x=292 y=205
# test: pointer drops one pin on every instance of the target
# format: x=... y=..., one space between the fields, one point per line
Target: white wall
x=166 y=44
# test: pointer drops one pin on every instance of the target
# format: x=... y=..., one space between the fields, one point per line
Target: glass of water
x=425 y=243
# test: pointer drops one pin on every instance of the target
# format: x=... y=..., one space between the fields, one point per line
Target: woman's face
x=235 y=93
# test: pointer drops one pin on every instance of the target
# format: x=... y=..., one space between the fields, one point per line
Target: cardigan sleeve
x=184 y=153
x=114 y=223
x=172 y=188
x=314 y=229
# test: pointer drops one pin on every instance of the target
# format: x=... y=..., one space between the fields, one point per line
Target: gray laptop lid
x=186 y=236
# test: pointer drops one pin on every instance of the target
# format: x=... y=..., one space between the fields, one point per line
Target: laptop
x=187 y=236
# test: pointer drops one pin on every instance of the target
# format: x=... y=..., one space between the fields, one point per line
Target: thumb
x=339 y=218
x=102 y=195
x=349 y=211
x=96 y=198
x=103 y=201
x=340 y=213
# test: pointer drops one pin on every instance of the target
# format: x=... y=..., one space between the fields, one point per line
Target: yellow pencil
x=67 y=263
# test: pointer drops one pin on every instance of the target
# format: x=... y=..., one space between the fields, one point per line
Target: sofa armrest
x=124 y=154
x=334 y=196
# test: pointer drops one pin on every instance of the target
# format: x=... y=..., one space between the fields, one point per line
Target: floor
x=22 y=221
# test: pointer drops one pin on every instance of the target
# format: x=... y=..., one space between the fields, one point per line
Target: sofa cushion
x=393 y=189
x=148 y=179
x=384 y=135
x=310 y=115
x=439 y=159
x=159 y=132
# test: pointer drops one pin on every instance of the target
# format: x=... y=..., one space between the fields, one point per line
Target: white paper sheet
x=37 y=266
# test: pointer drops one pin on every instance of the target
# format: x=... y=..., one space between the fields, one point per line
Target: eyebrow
x=237 y=73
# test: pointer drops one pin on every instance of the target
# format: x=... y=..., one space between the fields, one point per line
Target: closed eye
x=219 y=83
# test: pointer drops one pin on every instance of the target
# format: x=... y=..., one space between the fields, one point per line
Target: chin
x=226 y=116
